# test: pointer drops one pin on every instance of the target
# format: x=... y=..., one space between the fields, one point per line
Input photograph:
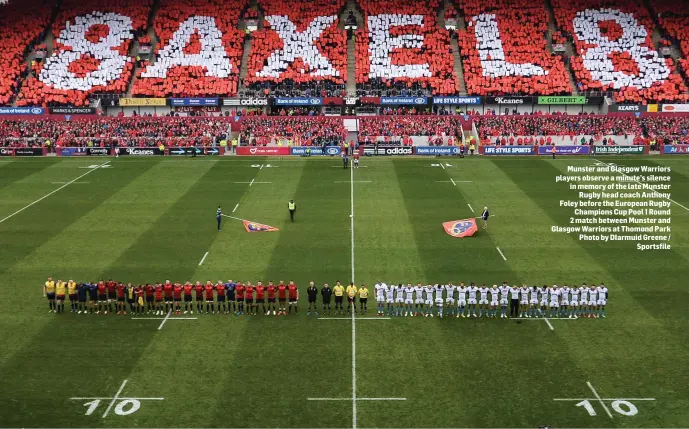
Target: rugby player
x=293 y=296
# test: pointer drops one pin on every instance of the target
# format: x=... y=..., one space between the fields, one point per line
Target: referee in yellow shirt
x=351 y=298
x=60 y=287
x=72 y=292
x=49 y=292
x=363 y=298
x=338 y=291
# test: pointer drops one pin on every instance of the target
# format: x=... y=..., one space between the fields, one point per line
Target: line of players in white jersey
x=472 y=301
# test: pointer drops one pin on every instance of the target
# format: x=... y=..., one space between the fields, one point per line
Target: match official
x=312 y=293
x=292 y=208
x=351 y=298
x=484 y=217
x=218 y=216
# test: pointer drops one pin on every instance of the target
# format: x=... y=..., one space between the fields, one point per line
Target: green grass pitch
x=143 y=219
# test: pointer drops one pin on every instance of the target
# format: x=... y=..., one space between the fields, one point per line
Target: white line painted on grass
x=604 y=399
x=121 y=398
x=605 y=407
x=471 y=208
x=75 y=183
x=358 y=181
x=232 y=217
x=252 y=180
x=541 y=318
x=501 y=254
x=351 y=227
x=235 y=208
x=204 y=258
x=261 y=167
x=358 y=318
x=164 y=320
x=357 y=399
x=656 y=193
x=550 y=325
x=453 y=181
x=51 y=193
x=441 y=164
x=114 y=399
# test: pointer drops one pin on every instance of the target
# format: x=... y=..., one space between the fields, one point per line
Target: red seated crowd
x=673 y=18
x=300 y=44
x=555 y=125
x=21 y=25
x=299 y=130
x=615 y=51
x=106 y=131
x=425 y=65
x=504 y=49
x=199 y=50
x=666 y=129
x=405 y=126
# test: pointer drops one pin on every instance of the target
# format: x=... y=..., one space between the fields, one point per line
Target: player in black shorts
x=312 y=292
x=326 y=294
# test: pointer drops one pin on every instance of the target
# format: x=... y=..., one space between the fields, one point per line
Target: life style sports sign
x=509 y=150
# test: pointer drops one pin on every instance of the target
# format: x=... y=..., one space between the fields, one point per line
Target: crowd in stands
x=398 y=126
x=21 y=26
x=673 y=18
x=91 y=52
x=504 y=49
x=300 y=131
x=425 y=64
x=106 y=131
x=300 y=51
x=666 y=129
x=616 y=52
x=557 y=125
x=199 y=50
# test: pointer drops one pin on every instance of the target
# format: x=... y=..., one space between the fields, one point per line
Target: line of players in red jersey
x=161 y=298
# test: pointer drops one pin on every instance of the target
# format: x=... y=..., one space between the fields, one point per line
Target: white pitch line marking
x=337 y=166
x=357 y=181
x=358 y=318
x=76 y=183
x=261 y=167
x=501 y=254
x=357 y=399
x=164 y=320
x=252 y=182
x=550 y=325
x=235 y=208
x=51 y=193
x=471 y=208
x=351 y=227
x=203 y=259
x=441 y=164
x=114 y=399
x=123 y=398
x=614 y=168
x=604 y=399
x=605 y=407
x=453 y=181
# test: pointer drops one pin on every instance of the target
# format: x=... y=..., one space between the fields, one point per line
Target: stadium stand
x=616 y=51
x=132 y=131
x=666 y=129
x=405 y=126
x=570 y=126
x=300 y=50
x=303 y=131
x=21 y=26
x=673 y=17
x=405 y=52
x=199 y=50
x=504 y=49
x=92 y=42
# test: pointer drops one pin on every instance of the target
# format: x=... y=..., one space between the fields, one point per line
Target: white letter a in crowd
x=492 y=54
x=212 y=56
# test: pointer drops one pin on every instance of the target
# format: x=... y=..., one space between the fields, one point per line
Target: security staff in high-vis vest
x=292 y=208
x=218 y=216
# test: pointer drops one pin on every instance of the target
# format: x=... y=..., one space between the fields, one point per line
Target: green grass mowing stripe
x=304 y=358
x=386 y=249
x=12 y=172
x=628 y=277
x=133 y=208
x=463 y=393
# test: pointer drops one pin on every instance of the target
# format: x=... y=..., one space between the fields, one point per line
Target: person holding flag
x=218 y=216
x=484 y=217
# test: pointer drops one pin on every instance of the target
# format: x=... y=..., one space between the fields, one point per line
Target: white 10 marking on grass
x=124 y=406
x=622 y=406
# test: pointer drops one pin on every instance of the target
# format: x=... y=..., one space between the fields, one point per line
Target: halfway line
x=357 y=399
x=115 y=398
x=358 y=318
x=605 y=407
x=51 y=193
x=164 y=320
